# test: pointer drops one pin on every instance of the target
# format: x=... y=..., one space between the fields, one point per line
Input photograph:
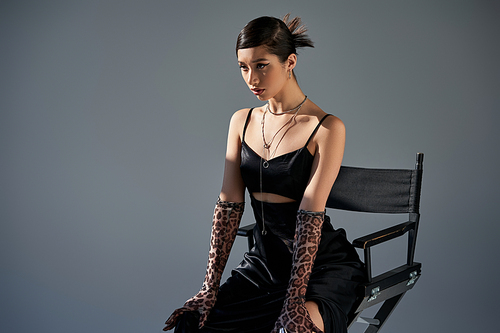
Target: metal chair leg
x=384 y=312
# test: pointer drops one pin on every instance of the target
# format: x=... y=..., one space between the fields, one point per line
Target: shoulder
x=238 y=119
x=332 y=132
x=240 y=116
x=330 y=122
x=237 y=122
x=332 y=129
x=331 y=135
x=333 y=123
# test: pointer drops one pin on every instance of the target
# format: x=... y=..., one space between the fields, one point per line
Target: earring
x=290 y=74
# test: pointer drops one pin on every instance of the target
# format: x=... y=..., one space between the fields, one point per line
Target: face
x=262 y=71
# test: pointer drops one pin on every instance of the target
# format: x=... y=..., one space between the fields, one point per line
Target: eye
x=261 y=66
x=243 y=67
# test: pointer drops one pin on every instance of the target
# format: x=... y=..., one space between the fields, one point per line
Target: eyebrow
x=254 y=61
x=259 y=60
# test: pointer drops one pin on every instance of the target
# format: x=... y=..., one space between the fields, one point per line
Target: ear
x=291 y=62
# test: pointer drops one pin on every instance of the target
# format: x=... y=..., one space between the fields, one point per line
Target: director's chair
x=387 y=191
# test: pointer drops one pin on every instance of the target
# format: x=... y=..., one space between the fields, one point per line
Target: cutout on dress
x=271 y=197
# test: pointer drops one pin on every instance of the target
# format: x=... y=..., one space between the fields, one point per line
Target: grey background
x=113 y=121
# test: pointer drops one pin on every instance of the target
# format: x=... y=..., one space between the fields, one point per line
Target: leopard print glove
x=226 y=220
x=294 y=316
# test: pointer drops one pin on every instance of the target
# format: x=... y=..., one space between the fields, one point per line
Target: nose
x=252 y=78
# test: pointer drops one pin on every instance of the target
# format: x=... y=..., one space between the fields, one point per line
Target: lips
x=257 y=91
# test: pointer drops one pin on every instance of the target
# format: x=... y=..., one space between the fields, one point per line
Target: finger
x=278 y=327
x=203 y=319
x=170 y=325
x=172 y=320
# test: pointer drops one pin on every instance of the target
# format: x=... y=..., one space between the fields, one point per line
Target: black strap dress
x=251 y=299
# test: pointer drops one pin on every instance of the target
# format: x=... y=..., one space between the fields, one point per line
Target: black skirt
x=251 y=299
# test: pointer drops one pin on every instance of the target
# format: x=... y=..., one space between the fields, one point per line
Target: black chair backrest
x=377 y=190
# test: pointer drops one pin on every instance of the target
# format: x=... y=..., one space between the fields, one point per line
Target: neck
x=288 y=98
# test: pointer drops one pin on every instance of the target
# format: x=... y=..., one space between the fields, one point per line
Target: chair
x=394 y=191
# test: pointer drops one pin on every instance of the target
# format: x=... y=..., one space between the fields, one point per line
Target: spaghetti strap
x=316 y=128
x=246 y=124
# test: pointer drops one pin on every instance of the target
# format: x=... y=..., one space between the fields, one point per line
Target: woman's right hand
x=295 y=318
x=202 y=302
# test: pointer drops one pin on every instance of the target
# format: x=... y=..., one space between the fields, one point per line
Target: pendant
x=264 y=232
x=265 y=164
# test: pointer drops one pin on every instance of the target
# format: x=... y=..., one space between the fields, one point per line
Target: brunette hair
x=280 y=37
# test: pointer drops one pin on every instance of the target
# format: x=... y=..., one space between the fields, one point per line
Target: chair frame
x=365 y=186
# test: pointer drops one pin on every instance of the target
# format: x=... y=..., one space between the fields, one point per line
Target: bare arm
x=329 y=151
x=330 y=142
x=226 y=219
x=233 y=188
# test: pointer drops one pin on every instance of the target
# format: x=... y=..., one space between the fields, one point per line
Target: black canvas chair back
x=387 y=191
x=376 y=190
x=394 y=191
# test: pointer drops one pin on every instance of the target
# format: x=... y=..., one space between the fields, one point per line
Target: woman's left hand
x=201 y=302
x=294 y=318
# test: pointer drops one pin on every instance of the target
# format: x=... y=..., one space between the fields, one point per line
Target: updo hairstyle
x=279 y=37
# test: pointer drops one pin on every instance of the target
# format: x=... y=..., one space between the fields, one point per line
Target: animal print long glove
x=226 y=220
x=294 y=317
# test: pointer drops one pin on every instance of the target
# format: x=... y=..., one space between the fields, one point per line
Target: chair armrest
x=246 y=231
x=383 y=235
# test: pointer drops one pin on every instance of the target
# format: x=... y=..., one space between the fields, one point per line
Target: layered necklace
x=288 y=124
x=264 y=163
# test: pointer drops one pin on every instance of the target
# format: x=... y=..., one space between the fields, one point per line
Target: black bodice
x=286 y=175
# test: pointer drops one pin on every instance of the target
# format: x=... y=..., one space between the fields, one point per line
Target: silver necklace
x=288 y=124
x=267 y=145
x=265 y=163
x=288 y=111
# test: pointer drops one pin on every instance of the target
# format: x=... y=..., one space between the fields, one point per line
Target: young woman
x=302 y=273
